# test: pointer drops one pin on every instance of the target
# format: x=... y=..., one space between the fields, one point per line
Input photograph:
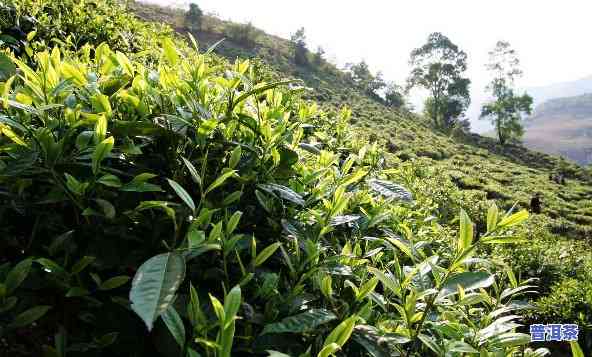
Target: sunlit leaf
x=390 y=190
x=470 y=280
x=283 y=192
x=101 y=151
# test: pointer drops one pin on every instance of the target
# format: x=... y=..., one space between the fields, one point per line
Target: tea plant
x=179 y=205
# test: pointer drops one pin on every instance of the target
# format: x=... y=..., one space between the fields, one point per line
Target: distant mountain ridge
x=577 y=106
x=578 y=87
x=562 y=126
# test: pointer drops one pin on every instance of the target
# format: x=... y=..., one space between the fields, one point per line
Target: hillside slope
x=481 y=168
x=562 y=126
x=512 y=173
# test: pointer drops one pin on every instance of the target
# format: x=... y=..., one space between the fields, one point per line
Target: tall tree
x=438 y=66
x=507 y=108
x=298 y=40
x=193 y=17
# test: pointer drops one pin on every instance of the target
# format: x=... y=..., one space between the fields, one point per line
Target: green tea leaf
x=218 y=310
x=510 y=339
x=462 y=347
x=81 y=264
x=139 y=184
x=266 y=253
x=17 y=275
x=220 y=180
x=283 y=192
x=389 y=282
x=276 y=354
x=466 y=231
x=110 y=180
x=367 y=288
x=50 y=266
x=329 y=350
x=182 y=194
x=303 y=322
x=514 y=219
x=194 y=175
x=576 y=350
x=7 y=67
x=342 y=332
x=77 y=292
x=114 y=282
x=470 y=280
x=29 y=316
x=492 y=216
x=170 y=52
x=155 y=284
x=175 y=325
x=100 y=103
x=231 y=305
x=194 y=312
x=235 y=157
x=430 y=343
x=260 y=89
x=391 y=190
x=233 y=222
x=101 y=151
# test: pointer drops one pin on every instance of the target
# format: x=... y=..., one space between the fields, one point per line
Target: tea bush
x=81 y=22
x=251 y=221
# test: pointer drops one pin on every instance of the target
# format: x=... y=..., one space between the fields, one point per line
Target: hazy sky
x=552 y=38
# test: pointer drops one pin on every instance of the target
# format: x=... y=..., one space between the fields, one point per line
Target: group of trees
x=374 y=85
x=358 y=73
x=439 y=67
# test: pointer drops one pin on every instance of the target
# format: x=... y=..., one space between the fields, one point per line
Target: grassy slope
x=476 y=163
x=479 y=166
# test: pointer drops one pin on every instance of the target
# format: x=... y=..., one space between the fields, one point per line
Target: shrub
x=245 y=34
x=80 y=22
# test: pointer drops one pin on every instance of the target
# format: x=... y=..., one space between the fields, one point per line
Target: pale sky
x=552 y=38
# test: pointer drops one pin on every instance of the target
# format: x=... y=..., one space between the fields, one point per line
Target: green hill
x=254 y=218
x=562 y=126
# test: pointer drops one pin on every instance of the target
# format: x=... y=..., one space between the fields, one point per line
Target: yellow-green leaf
x=170 y=52
x=101 y=151
x=466 y=231
x=514 y=219
x=266 y=253
x=492 y=214
x=220 y=180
